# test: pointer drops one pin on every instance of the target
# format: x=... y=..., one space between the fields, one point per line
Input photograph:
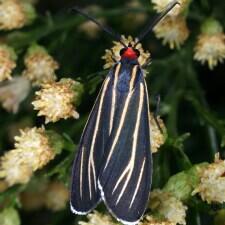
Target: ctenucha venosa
x=113 y=162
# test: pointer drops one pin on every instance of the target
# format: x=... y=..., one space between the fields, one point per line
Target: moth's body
x=118 y=127
x=113 y=161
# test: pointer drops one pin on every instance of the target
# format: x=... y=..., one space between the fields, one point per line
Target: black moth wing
x=85 y=194
x=125 y=177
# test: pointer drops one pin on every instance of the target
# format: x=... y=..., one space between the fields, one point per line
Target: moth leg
x=156 y=113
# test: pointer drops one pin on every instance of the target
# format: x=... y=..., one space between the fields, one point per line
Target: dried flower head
x=150 y=220
x=173 y=30
x=114 y=52
x=15 y=14
x=210 y=47
x=36 y=147
x=55 y=100
x=40 y=66
x=13 y=92
x=14 y=168
x=7 y=61
x=88 y=27
x=32 y=151
x=157 y=137
x=97 y=218
x=160 y=204
x=56 y=189
x=212 y=182
x=160 y=5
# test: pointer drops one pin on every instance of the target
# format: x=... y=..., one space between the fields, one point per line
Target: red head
x=129 y=53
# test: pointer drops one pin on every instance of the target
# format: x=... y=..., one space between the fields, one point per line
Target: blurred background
x=42 y=42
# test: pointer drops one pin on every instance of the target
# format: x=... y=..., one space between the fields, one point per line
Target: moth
x=113 y=162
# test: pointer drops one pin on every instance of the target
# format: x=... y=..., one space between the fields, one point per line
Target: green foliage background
x=192 y=96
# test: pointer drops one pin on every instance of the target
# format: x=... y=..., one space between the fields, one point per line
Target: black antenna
x=107 y=29
x=157 y=19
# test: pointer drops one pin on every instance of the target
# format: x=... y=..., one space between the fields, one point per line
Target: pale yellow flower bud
x=14 y=168
x=40 y=66
x=165 y=205
x=55 y=100
x=15 y=14
x=210 y=46
x=32 y=151
x=36 y=147
x=114 y=52
x=210 y=49
x=173 y=31
x=7 y=62
x=212 y=182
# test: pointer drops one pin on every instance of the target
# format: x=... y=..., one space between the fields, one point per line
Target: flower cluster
x=15 y=14
x=212 y=182
x=56 y=100
x=160 y=204
x=40 y=66
x=32 y=151
x=7 y=61
x=173 y=28
x=210 y=47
